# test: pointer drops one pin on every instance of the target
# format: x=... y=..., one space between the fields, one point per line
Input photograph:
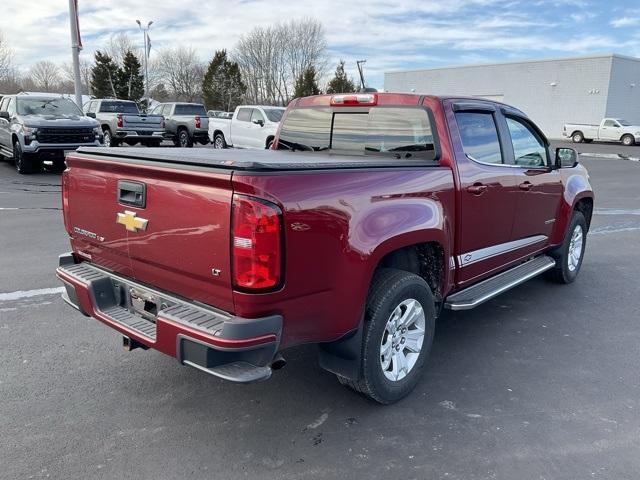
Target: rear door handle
x=525 y=186
x=477 y=188
x=132 y=193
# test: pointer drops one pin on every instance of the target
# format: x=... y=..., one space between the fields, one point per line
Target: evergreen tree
x=306 y=83
x=222 y=86
x=340 y=83
x=104 y=76
x=130 y=82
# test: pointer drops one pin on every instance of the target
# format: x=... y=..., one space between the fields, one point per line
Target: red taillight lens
x=198 y=122
x=256 y=243
x=119 y=120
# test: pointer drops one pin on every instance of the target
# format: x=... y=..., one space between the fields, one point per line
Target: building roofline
x=516 y=62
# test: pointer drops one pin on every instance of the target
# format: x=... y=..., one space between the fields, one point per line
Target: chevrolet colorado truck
x=184 y=123
x=37 y=128
x=370 y=215
x=251 y=126
x=122 y=122
x=609 y=130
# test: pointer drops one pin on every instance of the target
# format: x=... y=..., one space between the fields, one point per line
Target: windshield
x=44 y=106
x=119 y=107
x=189 y=109
x=624 y=123
x=403 y=132
x=274 y=114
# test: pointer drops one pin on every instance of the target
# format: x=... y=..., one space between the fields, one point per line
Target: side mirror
x=566 y=157
x=90 y=114
x=4 y=115
x=259 y=122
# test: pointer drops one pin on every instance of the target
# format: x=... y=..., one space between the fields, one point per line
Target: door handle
x=477 y=188
x=525 y=186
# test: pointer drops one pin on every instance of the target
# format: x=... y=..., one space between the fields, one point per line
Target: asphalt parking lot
x=540 y=383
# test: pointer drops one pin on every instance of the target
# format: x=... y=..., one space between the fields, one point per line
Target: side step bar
x=487 y=289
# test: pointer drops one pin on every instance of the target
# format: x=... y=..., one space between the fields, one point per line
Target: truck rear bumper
x=229 y=347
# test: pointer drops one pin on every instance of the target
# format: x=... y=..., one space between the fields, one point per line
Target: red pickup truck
x=371 y=214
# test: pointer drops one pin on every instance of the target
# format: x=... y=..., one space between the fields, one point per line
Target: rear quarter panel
x=337 y=227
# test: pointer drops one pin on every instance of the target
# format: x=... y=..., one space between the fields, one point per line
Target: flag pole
x=76 y=46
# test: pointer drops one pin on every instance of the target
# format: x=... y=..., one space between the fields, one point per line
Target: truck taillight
x=65 y=201
x=198 y=122
x=120 y=123
x=256 y=246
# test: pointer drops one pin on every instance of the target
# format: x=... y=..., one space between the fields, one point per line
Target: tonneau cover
x=254 y=160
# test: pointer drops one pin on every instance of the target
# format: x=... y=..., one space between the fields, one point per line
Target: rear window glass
x=400 y=131
x=190 y=110
x=119 y=107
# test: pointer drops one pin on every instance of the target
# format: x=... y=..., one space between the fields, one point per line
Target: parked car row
x=39 y=128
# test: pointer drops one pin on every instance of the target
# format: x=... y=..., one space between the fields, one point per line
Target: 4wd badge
x=131 y=222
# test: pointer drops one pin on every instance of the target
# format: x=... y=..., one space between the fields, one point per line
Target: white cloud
x=625 y=22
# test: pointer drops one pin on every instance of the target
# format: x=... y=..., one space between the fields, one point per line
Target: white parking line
x=617 y=211
x=20 y=294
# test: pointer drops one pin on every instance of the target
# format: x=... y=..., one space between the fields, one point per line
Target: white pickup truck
x=252 y=126
x=609 y=130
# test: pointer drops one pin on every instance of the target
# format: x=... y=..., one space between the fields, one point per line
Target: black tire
x=24 y=163
x=108 y=140
x=390 y=287
x=628 y=140
x=184 y=139
x=577 y=137
x=219 y=141
x=563 y=272
x=58 y=166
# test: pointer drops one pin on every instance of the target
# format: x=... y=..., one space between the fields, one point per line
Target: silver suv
x=35 y=128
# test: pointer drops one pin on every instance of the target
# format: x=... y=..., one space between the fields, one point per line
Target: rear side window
x=190 y=110
x=479 y=137
x=399 y=131
x=244 y=114
x=118 y=107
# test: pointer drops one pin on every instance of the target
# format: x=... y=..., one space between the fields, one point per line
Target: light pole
x=145 y=34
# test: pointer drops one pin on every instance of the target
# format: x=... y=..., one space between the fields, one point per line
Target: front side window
x=256 y=115
x=11 y=107
x=528 y=148
x=610 y=123
x=244 y=114
x=479 y=137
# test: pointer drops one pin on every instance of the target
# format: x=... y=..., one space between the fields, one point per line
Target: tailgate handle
x=132 y=193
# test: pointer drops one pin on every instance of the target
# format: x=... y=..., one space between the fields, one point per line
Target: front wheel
x=570 y=254
x=24 y=164
x=628 y=140
x=398 y=333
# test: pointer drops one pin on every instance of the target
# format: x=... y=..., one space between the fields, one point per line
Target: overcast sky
x=400 y=35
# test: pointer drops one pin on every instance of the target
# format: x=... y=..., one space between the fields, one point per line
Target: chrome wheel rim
x=183 y=140
x=575 y=248
x=217 y=143
x=402 y=340
x=107 y=139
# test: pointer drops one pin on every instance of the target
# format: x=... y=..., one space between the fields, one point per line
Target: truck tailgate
x=142 y=122
x=174 y=239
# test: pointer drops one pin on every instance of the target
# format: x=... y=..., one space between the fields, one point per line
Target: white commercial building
x=552 y=92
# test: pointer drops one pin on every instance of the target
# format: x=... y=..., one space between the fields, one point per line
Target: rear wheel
x=570 y=254
x=184 y=139
x=577 y=137
x=218 y=141
x=628 y=140
x=397 y=336
x=25 y=164
x=108 y=140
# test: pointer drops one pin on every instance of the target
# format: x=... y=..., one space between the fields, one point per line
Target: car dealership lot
x=539 y=383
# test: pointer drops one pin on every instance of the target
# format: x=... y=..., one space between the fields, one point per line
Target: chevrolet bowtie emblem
x=131 y=222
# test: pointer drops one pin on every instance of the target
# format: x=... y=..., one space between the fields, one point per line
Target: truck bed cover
x=250 y=160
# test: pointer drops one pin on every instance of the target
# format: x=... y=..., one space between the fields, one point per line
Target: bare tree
x=6 y=58
x=45 y=75
x=180 y=70
x=85 y=74
x=272 y=58
x=118 y=46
